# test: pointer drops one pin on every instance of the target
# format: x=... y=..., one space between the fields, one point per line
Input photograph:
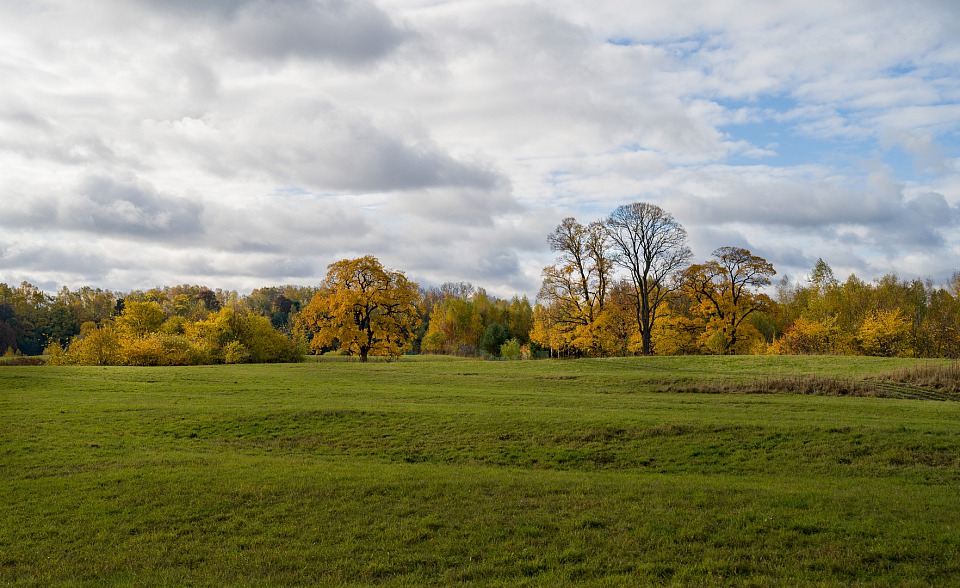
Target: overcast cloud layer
x=244 y=143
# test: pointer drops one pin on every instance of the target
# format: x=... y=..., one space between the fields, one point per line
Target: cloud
x=132 y=208
x=880 y=211
x=102 y=206
x=51 y=261
x=465 y=206
x=349 y=32
x=311 y=142
x=343 y=30
x=247 y=141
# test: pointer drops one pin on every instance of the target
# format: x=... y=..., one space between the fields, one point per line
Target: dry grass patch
x=920 y=382
x=943 y=378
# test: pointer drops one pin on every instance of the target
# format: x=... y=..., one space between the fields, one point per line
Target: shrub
x=21 y=360
x=809 y=337
x=236 y=352
x=884 y=333
x=510 y=349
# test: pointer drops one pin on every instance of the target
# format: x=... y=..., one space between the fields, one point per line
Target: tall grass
x=940 y=377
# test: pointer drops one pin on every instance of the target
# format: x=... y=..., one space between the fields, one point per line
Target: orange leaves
x=364 y=309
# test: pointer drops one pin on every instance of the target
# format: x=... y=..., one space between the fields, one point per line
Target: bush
x=227 y=336
x=809 y=337
x=21 y=360
x=884 y=333
x=236 y=352
x=510 y=349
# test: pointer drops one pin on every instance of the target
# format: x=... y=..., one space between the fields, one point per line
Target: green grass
x=439 y=471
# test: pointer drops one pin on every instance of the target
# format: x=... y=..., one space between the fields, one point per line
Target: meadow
x=437 y=471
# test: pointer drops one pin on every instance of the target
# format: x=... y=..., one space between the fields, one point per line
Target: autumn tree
x=460 y=315
x=455 y=327
x=575 y=288
x=652 y=247
x=727 y=289
x=941 y=326
x=140 y=318
x=884 y=333
x=233 y=334
x=619 y=319
x=364 y=309
x=546 y=332
x=95 y=345
x=809 y=337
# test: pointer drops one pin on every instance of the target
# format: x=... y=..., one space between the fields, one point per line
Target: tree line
x=360 y=308
x=623 y=285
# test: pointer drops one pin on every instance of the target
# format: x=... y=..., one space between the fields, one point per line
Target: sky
x=247 y=143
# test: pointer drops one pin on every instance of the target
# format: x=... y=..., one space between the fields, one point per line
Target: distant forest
x=621 y=286
x=886 y=317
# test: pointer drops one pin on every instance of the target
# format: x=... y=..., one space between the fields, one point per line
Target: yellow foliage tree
x=651 y=246
x=549 y=332
x=885 y=333
x=364 y=309
x=156 y=349
x=675 y=335
x=95 y=346
x=724 y=289
x=234 y=335
x=810 y=337
x=140 y=318
x=575 y=289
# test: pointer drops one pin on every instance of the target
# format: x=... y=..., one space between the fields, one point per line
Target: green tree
x=494 y=337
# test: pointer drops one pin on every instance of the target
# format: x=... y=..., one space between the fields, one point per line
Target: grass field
x=439 y=471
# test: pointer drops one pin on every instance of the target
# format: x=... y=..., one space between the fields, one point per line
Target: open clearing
x=441 y=471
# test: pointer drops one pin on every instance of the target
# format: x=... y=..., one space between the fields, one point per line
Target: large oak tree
x=728 y=288
x=364 y=309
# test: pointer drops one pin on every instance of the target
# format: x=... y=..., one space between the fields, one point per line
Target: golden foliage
x=140 y=319
x=884 y=333
x=141 y=337
x=810 y=337
x=725 y=293
x=364 y=309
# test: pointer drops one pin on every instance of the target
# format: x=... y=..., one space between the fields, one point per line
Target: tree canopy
x=364 y=309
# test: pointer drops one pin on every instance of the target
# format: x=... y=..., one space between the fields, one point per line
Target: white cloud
x=244 y=142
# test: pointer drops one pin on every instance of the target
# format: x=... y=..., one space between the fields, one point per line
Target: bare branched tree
x=652 y=246
x=577 y=284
